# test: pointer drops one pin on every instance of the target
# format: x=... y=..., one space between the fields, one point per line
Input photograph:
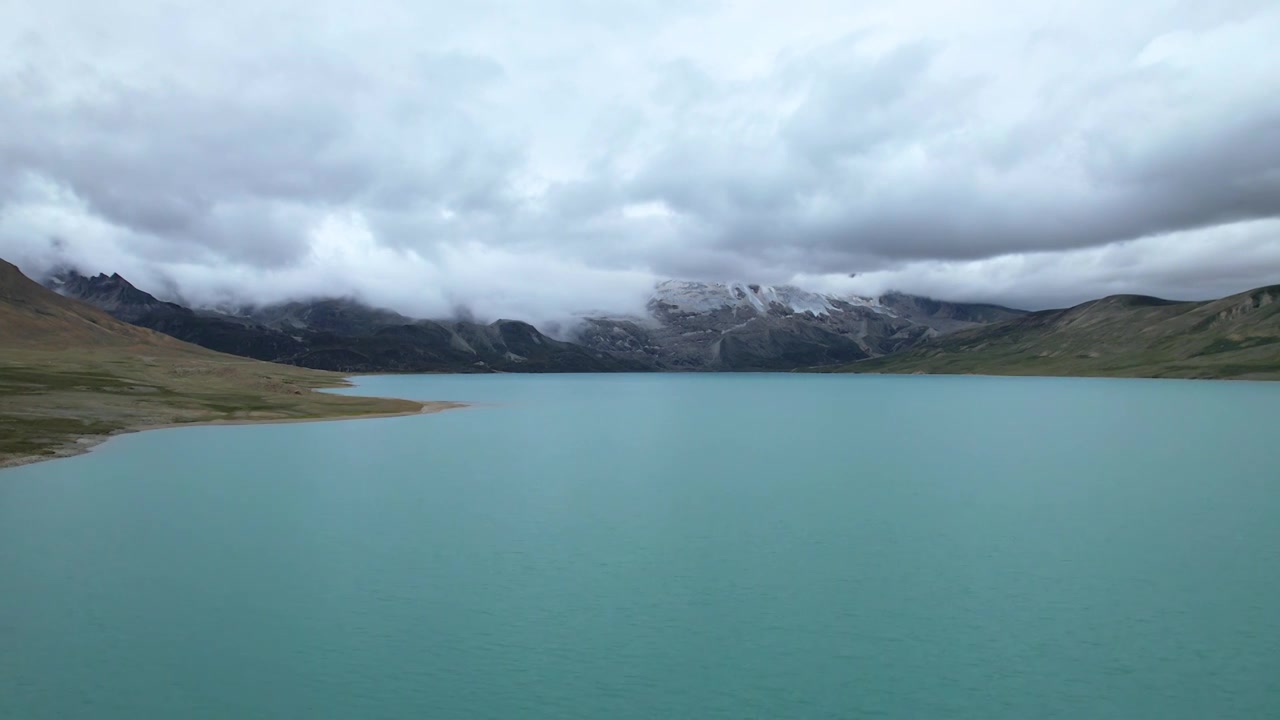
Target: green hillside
x=1122 y=336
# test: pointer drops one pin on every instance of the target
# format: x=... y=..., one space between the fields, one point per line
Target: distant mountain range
x=690 y=326
x=1121 y=336
x=739 y=326
x=343 y=335
x=698 y=326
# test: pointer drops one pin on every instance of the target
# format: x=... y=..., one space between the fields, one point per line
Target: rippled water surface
x=666 y=546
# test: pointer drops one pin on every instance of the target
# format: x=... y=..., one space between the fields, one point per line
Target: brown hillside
x=33 y=317
x=71 y=375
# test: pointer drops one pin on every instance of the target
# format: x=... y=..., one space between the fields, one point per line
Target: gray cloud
x=882 y=157
x=244 y=165
x=557 y=156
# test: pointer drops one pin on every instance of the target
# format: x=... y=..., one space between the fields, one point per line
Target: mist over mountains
x=706 y=326
x=684 y=326
x=430 y=160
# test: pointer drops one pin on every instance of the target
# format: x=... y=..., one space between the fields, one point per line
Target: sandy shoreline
x=86 y=443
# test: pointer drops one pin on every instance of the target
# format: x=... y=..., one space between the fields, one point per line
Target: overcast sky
x=536 y=158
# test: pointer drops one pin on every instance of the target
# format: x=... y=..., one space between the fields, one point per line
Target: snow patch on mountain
x=701 y=297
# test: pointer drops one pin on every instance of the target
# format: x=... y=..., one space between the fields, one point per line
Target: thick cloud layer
x=539 y=159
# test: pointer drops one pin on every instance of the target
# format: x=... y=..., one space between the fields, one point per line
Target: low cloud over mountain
x=561 y=157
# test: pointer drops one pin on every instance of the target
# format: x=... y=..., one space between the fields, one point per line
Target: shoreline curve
x=87 y=443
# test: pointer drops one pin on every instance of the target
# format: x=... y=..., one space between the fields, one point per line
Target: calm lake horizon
x=649 y=546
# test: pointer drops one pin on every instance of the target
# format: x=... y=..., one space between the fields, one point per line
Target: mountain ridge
x=32 y=318
x=731 y=327
x=1120 y=335
x=72 y=375
x=744 y=326
x=344 y=335
x=690 y=326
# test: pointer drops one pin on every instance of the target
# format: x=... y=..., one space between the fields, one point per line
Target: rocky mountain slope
x=737 y=326
x=344 y=335
x=1123 y=336
x=32 y=318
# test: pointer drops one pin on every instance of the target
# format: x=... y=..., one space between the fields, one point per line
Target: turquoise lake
x=665 y=546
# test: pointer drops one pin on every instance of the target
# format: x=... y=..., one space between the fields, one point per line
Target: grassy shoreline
x=56 y=404
x=72 y=377
x=71 y=447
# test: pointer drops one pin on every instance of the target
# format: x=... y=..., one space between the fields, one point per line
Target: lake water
x=665 y=546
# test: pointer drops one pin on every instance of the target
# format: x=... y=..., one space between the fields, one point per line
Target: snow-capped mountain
x=745 y=326
x=688 y=326
x=701 y=297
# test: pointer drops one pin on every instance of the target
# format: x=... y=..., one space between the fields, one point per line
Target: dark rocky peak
x=112 y=293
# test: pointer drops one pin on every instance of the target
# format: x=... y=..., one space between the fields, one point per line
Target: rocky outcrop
x=113 y=294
